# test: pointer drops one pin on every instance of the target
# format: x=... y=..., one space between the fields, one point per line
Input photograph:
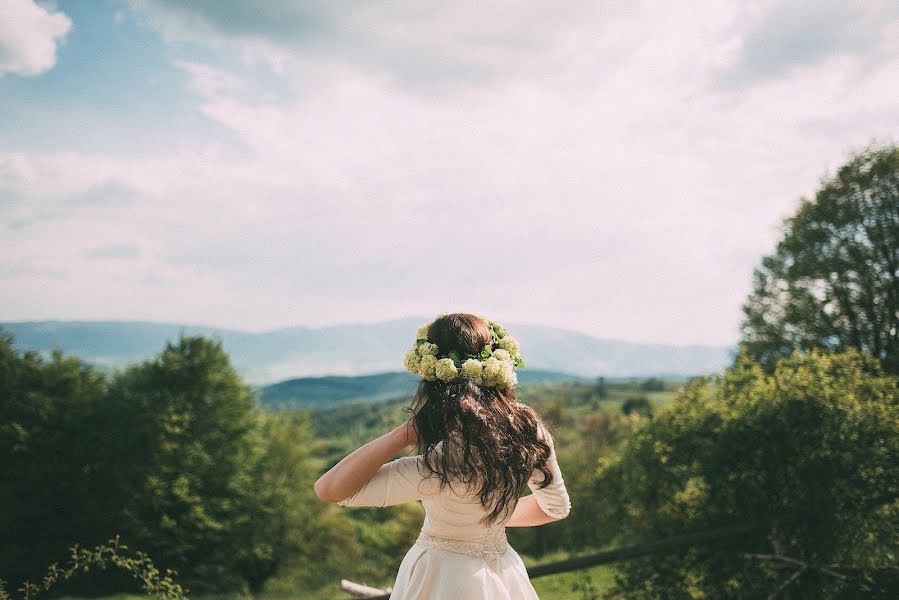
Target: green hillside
x=316 y=392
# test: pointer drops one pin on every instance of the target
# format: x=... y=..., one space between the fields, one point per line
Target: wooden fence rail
x=628 y=552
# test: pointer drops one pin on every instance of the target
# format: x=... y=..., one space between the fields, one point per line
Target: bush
x=637 y=404
x=813 y=444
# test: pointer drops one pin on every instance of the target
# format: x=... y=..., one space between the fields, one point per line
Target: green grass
x=583 y=584
x=586 y=584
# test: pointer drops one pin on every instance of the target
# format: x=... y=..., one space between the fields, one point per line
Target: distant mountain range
x=359 y=349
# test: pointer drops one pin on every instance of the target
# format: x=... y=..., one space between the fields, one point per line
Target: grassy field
x=586 y=584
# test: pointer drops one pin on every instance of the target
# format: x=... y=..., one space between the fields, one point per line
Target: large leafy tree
x=813 y=445
x=833 y=280
x=191 y=466
x=173 y=455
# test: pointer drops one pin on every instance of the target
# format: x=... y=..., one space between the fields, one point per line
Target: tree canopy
x=812 y=445
x=172 y=454
x=833 y=280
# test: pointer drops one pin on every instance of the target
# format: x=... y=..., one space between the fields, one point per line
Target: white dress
x=455 y=556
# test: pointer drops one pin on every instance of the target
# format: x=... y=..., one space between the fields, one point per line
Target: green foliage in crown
x=493 y=366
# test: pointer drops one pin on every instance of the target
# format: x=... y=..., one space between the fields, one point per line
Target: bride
x=478 y=449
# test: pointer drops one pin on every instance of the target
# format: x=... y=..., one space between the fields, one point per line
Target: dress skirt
x=445 y=569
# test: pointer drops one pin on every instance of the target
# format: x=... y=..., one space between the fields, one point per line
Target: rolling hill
x=317 y=392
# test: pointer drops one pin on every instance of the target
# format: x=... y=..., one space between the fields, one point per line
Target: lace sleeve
x=398 y=481
x=553 y=499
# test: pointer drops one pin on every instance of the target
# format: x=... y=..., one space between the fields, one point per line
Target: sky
x=616 y=168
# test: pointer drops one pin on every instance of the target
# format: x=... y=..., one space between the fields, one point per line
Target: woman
x=478 y=450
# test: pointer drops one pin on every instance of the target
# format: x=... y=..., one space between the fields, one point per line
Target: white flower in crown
x=492 y=371
x=427 y=348
x=446 y=370
x=509 y=344
x=473 y=369
x=502 y=355
x=506 y=374
x=412 y=361
x=428 y=367
x=489 y=367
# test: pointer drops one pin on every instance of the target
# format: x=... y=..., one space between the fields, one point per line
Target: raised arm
x=349 y=475
x=544 y=505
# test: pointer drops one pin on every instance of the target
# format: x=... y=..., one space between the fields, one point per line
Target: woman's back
x=480 y=449
x=456 y=555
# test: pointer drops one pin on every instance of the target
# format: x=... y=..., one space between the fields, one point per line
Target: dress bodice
x=455 y=555
x=454 y=510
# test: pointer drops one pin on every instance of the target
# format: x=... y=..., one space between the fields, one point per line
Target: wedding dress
x=455 y=557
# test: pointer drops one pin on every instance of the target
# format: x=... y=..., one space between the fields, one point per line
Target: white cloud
x=429 y=43
x=599 y=179
x=789 y=35
x=29 y=36
x=207 y=81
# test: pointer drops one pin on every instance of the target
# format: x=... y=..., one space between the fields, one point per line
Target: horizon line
x=348 y=324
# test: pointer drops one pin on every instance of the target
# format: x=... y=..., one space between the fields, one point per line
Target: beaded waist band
x=493 y=547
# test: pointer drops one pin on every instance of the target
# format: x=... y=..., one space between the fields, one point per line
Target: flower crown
x=489 y=367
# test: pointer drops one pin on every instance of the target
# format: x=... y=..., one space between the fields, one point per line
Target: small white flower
x=502 y=355
x=492 y=371
x=427 y=349
x=473 y=369
x=507 y=377
x=422 y=333
x=510 y=344
x=412 y=361
x=445 y=369
x=428 y=367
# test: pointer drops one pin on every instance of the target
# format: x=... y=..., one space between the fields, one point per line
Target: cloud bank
x=29 y=37
x=617 y=169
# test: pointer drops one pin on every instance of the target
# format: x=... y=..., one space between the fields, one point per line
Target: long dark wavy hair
x=489 y=439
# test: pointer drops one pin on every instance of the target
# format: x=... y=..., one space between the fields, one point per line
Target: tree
x=638 y=404
x=813 y=444
x=833 y=280
x=190 y=465
x=284 y=523
x=601 y=388
x=653 y=384
x=55 y=476
x=173 y=455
